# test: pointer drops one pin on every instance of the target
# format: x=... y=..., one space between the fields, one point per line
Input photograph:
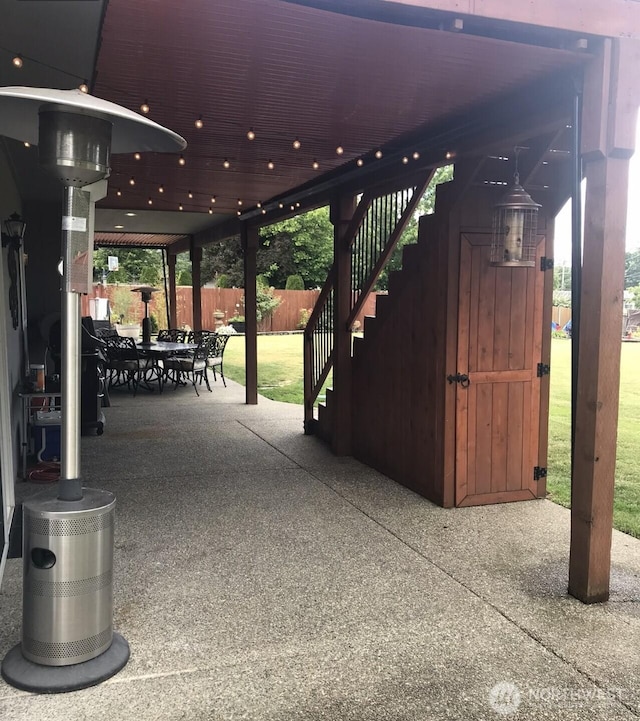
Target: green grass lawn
x=627 y=491
x=280 y=377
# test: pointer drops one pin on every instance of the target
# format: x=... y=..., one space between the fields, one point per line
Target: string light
x=297 y=205
x=293 y=207
x=359 y=162
x=213 y=198
x=315 y=164
x=258 y=204
x=238 y=212
x=296 y=144
x=199 y=123
x=378 y=154
x=271 y=165
x=17 y=61
x=83 y=87
x=250 y=134
x=210 y=210
x=263 y=211
x=226 y=163
x=239 y=201
x=26 y=144
x=137 y=156
x=280 y=205
x=405 y=160
x=161 y=189
x=145 y=107
x=189 y=194
x=339 y=150
x=180 y=207
x=449 y=155
x=132 y=180
x=150 y=201
x=416 y=155
x=118 y=192
x=181 y=160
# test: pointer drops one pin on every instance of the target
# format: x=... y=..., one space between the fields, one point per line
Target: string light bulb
x=189 y=194
x=339 y=150
x=199 y=123
x=378 y=154
x=181 y=207
x=83 y=87
x=258 y=204
x=359 y=162
x=213 y=198
x=132 y=180
x=226 y=163
x=280 y=205
x=263 y=211
x=137 y=156
x=416 y=155
x=251 y=134
x=161 y=189
x=181 y=160
x=239 y=201
x=450 y=155
x=17 y=61
x=296 y=144
x=238 y=212
x=210 y=210
x=271 y=165
x=315 y=165
x=405 y=160
x=144 y=108
x=150 y=201
x=27 y=144
x=118 y=192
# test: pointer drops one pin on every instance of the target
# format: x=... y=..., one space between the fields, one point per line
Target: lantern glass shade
x=15 y=227
x=515 y=229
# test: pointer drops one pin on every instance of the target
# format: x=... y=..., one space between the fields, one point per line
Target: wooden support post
x=196 y=286
x=608 y=133
x=173 y=299
x=250 y=246
x=342 y=211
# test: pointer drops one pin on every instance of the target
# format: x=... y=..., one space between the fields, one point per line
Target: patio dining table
x=161 y=350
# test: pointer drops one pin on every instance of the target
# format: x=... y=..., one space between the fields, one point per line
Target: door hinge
x=546 y=263
x=539 y=472
x=543 y=370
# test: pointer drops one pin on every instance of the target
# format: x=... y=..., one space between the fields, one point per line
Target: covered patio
x=259 y=576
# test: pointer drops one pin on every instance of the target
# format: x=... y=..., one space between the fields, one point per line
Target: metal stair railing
x=373 y=233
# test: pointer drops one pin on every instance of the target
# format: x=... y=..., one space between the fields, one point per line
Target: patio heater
x=145 y=293
x=68 y=641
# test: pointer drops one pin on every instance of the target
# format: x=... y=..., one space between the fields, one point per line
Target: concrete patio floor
x=259 y=577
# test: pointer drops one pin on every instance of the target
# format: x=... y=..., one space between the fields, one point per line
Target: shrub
x=294 y=282
x=305 y=314
x=223 y=281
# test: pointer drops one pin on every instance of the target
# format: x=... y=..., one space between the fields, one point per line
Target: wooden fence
x=230 y=301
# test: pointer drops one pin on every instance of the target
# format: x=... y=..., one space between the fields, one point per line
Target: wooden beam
x=196 y=289
x=607 y=143
x=621 y=18
x=343 y=208
x=249 y=238
x=173 y=298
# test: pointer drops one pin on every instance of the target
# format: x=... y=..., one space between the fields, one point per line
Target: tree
x=302 y=245
x=632 y=269
x=223 y=257
x=136 y=265
x=562 y=277
x=294 y=282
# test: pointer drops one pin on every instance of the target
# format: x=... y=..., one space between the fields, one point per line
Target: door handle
x=461 y=378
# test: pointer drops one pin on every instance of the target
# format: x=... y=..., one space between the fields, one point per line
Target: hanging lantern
x=515 y=225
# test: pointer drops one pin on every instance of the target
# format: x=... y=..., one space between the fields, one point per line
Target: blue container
x=46 y=442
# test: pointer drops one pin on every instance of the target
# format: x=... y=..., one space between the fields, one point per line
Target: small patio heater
x=68 y=641
x=145 y=293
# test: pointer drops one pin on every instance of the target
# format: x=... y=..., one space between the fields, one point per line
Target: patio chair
x=193 y=367
x=125 y=366
x=172 y=335
x=195 y=336
x=216 y=354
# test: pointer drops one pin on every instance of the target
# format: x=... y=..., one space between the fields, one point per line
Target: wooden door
x=499 y=348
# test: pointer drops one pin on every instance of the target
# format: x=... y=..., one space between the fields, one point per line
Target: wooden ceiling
x=288 y=71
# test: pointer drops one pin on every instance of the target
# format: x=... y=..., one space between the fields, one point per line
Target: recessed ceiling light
x=118 y=227
x=130 y=215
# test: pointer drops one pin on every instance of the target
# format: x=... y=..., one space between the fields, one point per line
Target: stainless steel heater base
x=28 y=676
